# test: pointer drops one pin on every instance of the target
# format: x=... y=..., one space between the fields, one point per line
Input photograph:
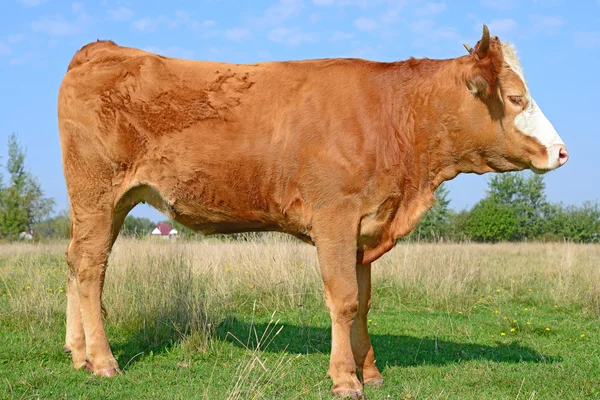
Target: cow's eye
x=517 y=100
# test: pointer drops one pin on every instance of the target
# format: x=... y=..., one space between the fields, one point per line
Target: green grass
x=437 y=331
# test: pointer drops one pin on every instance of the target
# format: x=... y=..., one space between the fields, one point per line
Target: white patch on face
x=532 y=121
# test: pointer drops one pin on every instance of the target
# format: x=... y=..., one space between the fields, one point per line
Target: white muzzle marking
x=532 y=122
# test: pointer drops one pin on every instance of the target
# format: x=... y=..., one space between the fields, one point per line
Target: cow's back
x=219 y=142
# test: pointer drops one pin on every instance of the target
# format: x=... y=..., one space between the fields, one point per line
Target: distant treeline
x=515 y=208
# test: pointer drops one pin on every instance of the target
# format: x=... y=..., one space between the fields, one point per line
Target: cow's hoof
x=375 y=382
x=349 y=394
x=108 y=372
x=88 y=365
x=79 y=360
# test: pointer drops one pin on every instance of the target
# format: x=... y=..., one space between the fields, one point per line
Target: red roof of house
x=164 y=228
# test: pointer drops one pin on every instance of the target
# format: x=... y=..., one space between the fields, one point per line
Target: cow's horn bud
x=484 y=43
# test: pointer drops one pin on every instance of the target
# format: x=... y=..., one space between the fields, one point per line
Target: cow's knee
x=344 y=311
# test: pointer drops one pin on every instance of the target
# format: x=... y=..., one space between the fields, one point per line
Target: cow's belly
x=212 y=214
x=209 y=219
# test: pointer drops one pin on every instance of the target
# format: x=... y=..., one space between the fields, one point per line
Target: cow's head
x=518 y=135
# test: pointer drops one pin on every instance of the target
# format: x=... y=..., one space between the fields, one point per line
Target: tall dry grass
x=177 y=293
x=187 y=286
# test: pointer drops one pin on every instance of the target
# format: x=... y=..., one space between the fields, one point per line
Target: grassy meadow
x=246 y=320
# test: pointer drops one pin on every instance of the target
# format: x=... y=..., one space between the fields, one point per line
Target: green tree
x=575 y=223
x=490 y=221
x=458 y=227
x=23 y=201
x=137 y=227
x=515 y=208
x=57 y=227
x=525 y=195
x=436 y=222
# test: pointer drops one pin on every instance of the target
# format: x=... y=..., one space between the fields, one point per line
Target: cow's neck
x=431 y=122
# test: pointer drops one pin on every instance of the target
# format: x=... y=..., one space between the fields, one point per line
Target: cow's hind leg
x=361 y=343
x=93 y=233
x=75 y=336
x=335 y=238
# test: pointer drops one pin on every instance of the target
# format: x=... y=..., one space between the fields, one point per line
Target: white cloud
x=209 y=34
x=280 y=12
x=427 y=32
x=314 y=17
x=236 y=34
x=365 y=24
x=147 y=24
x=58 y=25
x=291 y=36
x=16 y=38
x=27 y=57
x=55 y=25
x=341 y=3
x=551 y=3
x=364 y=51
x=171 y=51
x=339 y=35
x=501 y=26
x=499 y=4
x=587 y=40
x=392 y=15
x=120 y=14
x=31 y=3
x=4 y=49
x=181 y=18
x=547 y=24
x=431 y=8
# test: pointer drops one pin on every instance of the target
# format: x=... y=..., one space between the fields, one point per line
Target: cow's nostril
x=563 y=156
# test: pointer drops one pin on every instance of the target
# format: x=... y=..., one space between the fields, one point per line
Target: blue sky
x=558 y=43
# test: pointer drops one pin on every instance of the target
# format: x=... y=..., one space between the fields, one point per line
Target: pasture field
x=246 y=320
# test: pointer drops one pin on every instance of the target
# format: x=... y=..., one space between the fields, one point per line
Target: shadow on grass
x=391 y=350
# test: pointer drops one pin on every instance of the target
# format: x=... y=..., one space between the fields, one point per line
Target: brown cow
x=343 y=153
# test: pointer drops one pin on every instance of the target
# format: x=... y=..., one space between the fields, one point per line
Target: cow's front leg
x=335 y=239
x=361 y=343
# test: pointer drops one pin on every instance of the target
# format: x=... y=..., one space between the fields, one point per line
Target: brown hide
x=343 y=153
x=227 y=148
